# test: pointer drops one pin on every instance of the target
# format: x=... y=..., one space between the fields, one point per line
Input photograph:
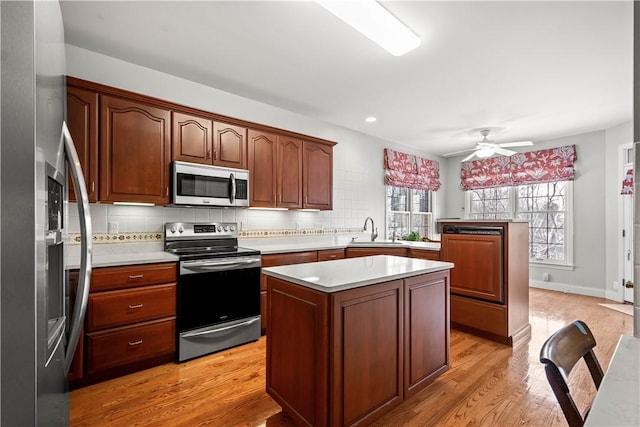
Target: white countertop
x=338 y=275
x=315 y=243
x=617 y=402
x=110 y=255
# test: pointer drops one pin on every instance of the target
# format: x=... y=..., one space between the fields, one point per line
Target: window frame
x=410 y=213
x=513 y=215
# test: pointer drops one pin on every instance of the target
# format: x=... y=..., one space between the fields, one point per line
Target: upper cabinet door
x=318 y=176
x=289 y=189
x=262 y=169
x=82 y=120
x=230 y=146
x=135 y=151
x=192 y=138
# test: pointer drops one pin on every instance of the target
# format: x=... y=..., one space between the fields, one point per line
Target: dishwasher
x=478 y=255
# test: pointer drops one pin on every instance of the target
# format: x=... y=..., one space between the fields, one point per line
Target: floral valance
x=408 y=171
x=533 y=167
x=627 y=183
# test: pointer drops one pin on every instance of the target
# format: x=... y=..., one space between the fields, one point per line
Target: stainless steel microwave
x=204 y=185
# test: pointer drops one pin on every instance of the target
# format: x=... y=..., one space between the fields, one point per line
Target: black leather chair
x=560 y=353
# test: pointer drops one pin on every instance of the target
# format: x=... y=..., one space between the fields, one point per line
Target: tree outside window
x=408 y=211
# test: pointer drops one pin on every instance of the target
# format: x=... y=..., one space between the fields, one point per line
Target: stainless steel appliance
x=205 y=185
x=218 y=288
x=39 y=330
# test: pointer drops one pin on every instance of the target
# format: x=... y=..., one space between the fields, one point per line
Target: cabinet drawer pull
x=132 y=306
x=208 y=154
x=136 y=276
x=135 y=343
x=333 y=256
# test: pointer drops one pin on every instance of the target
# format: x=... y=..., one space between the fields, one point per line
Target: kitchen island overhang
x=351 y=339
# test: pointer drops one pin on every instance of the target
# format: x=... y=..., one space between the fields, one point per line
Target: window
x=547 y=208
x=408 y=211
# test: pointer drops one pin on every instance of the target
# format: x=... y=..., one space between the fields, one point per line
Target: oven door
x=218 y=304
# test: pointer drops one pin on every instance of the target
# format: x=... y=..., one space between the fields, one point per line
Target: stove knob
x=172 y=229
x=180 y=230
x=219 y=228
x=226 y=228
x=232 y=228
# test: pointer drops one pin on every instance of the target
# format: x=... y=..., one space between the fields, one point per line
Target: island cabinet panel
x=318 y=176
x=367 y=380
x=82 y=118
x=426 y=330
x=298 y=377
x=346 y=358
x=192 y=138
x=135 y=151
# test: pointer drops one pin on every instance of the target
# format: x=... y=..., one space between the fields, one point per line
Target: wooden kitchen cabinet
x=135 y=151
x=130 y=321
x=262 y=149
x=289 y=173
x=330 y=254
x=318 y=176
x=82 y=120
x=192 y=138
x=229 y=145
x=429 y=254
x=490 y=279
x=358 y=252
x=348 y=357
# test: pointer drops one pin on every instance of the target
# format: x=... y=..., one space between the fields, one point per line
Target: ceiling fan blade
x=469 y=157
x=516 y=144
x=504 y=152
x=455 y=153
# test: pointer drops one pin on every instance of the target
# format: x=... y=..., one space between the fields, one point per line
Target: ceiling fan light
x=484 y=153
x=376 y=23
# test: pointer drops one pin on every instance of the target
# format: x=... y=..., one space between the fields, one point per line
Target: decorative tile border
x=101 y=238
x=105 y=238
x=301 y=232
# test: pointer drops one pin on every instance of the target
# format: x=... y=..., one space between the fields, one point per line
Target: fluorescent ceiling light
x=376 y=23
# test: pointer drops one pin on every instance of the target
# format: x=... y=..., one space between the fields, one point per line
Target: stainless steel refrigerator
x=39 y=324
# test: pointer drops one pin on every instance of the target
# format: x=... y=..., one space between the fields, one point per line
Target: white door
x=627 y=230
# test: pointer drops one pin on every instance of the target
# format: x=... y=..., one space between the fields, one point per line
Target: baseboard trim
x=572 y=289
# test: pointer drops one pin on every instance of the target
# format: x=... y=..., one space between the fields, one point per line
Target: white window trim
x=569 y=220
x=432 y=230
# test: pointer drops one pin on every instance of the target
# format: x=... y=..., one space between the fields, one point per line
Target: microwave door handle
x=84 y=282
x=232 y=180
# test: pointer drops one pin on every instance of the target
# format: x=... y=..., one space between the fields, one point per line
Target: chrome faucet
x=374 y=231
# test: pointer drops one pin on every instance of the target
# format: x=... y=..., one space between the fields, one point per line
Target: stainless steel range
x=218 y=302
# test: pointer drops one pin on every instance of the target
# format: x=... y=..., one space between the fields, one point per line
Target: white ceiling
x=530 y=70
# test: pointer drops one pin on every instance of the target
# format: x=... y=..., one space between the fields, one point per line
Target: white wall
x=596 y=187
x=358 y=189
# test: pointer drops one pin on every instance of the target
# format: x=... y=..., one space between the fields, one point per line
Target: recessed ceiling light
x=370 y=119
x=376 y=23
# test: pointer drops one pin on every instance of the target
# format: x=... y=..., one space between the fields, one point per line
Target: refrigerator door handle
x=84 y=282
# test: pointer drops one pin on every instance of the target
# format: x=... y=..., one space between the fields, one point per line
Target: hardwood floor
x=489 y=384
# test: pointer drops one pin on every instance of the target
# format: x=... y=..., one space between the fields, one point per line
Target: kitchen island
x=350 y=339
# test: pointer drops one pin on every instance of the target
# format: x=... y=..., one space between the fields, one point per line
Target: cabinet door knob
x=215 y=154
x=208 y=154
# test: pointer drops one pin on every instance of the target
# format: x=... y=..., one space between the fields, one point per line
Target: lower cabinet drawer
x=121 y=346
x=481 y=315
x=118 y=308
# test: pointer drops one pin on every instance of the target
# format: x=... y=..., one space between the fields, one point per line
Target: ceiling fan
x=487 y=148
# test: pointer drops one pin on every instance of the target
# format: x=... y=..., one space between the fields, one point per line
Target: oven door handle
x=193 y=267
x=224 y=328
